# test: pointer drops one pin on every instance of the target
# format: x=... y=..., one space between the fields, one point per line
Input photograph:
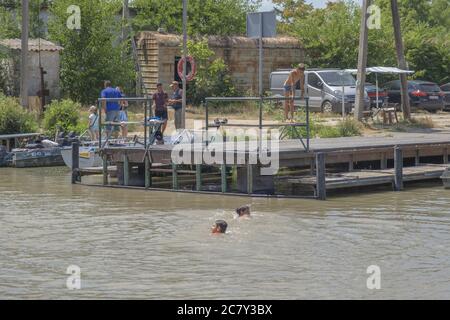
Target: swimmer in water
x=243 y=211
x=220 y=226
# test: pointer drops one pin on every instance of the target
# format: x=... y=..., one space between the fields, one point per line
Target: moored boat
x=28 y=158
x=89 y=156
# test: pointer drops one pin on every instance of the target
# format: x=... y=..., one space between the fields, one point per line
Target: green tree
x=9 y=27
x=225 y=17
x=92 y=54
x=212 y=78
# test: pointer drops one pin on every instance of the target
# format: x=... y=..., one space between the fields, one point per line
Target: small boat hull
x=32 y=158
x=88 y=157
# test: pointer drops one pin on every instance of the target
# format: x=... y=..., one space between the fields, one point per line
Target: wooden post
x=24 y=54
x=198 y=177
x=126 y=170
x=383 y=164
x=249 y=179
x=105 y=169
x=75 y=162
x=320 y=176
x=312 y=166
x=445 y=156
x=350 y=164
x=406 y=108
x=148 y=172
x=417 y=158
x=362 y=62
x=174 y=177
x=398 y=164
x=125 y=17
x=223 y=175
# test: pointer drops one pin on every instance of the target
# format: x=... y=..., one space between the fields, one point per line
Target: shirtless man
x=296 y=75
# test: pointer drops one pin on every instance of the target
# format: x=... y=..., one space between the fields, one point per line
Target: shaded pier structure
x=328 y=164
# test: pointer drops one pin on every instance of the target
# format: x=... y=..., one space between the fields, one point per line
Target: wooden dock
x=364 y=178
x=395 y=160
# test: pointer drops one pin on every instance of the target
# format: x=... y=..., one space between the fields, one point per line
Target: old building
x=41 y=53
x=159 y=54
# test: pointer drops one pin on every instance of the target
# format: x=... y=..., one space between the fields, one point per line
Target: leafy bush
x=14 y=118
x=212 y=79
x=64 y=115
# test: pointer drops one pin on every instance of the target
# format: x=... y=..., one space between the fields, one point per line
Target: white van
x=324 y=88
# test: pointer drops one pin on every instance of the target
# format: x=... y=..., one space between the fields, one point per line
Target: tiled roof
x=33 y=45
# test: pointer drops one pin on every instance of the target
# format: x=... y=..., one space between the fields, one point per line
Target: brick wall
x=240 y=54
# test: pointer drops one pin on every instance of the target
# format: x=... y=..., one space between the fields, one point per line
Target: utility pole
x=183 y=109
x=24 y=55
x=125 y=17
x=406 y=108
x=362 y=62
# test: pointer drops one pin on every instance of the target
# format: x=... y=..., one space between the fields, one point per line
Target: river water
x=155 y=245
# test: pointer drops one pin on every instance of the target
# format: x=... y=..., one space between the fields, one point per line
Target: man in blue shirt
x=112 y=108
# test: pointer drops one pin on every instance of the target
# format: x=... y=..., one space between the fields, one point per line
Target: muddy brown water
x=149 y=245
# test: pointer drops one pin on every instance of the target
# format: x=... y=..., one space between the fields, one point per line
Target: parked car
x=422 y=94
x=324 y=89
x=371 y=90
x=446 y=90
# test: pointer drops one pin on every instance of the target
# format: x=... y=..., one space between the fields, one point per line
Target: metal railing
x=147 y=112
x=304 y=140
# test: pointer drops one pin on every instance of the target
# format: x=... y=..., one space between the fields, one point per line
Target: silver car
x=324 y=87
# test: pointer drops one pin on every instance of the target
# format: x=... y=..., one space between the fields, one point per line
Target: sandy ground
x=374 y=127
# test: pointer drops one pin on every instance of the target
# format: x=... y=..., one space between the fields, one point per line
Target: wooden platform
x=372 y=177
x=96 y=171
x=136 y=167
x=338 y=150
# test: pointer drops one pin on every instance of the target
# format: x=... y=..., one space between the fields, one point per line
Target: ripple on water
x=157 y=245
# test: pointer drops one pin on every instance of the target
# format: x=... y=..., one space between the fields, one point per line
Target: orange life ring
x=191 y=75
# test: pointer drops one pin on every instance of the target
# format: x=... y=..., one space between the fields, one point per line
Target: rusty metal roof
x=33 y=45
x=173 y=40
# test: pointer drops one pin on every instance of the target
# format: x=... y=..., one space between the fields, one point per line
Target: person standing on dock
x=160 y=100
x=295 y=76
x=123 y=115
x=93 y=123
x=111 y=108
x=177 y=103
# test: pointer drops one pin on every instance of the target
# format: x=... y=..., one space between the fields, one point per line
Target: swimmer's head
x=243 y=211
x=220 y=226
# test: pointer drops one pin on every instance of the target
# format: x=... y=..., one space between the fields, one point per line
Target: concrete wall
x=158 y=53
x=51 y=63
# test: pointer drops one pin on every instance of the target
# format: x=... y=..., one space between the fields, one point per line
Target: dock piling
x=126 y=170
x=105 y=169
x=174 y=177
x=148 y=173
x=198 y=177
x=223 y=174
x=249 y=179
x=398 y=163
x=75 y=162
x=320 y=176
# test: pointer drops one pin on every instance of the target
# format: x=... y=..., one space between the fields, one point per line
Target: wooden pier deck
x=338 y=150
x=363 y=178
x=136 y=166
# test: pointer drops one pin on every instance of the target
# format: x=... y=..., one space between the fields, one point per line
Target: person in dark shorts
x=160 y=100
x=112 y=108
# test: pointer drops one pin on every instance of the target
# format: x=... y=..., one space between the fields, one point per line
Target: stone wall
x=241 y=54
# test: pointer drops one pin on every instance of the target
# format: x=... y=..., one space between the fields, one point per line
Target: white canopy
x=389 y=70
